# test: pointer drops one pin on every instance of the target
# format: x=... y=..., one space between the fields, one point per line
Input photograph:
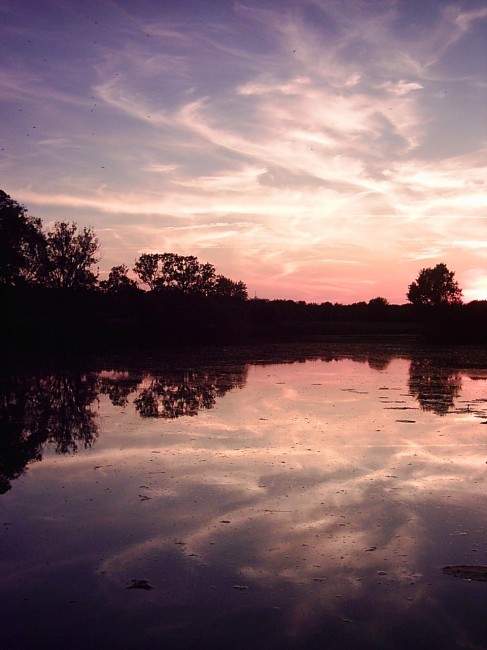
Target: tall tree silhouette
x=22 y=244
x=70 y=257
x=434 y=287
x=147 y=269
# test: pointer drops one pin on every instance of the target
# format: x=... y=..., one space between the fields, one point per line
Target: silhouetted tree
x=22 y=244
x=226 y=288
x=118 y=281
x=147 y=269
x=171 y=271
x=377 y=308
x=434 y=287
x=70 y=256
x=378 y=303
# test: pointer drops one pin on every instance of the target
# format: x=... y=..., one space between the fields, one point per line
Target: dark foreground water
x=238 y=504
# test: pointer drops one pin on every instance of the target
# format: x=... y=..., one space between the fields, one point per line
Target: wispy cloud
x=299 y=147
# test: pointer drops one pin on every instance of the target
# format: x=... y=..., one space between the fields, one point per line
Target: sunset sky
x=321 y=150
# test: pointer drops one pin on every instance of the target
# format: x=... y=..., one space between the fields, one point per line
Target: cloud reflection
x=332 y=489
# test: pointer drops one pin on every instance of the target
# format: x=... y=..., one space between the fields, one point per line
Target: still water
x=250 y=503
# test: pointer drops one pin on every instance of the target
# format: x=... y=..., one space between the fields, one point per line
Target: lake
x=331 y=497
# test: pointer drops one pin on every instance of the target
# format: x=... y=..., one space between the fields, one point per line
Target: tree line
x=52 y=296
x=65 y=257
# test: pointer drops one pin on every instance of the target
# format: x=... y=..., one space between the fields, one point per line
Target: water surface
x=256 y=504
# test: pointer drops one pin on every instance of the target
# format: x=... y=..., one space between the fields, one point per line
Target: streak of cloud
x=317 y=150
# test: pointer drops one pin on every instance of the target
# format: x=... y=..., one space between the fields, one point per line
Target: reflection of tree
x=37 y=410
x=118 y=386
x=379 y=361
x=58 y=408
x=186 y=393
x=434 y=387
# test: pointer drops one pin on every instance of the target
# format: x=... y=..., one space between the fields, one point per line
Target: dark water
x=308 y=504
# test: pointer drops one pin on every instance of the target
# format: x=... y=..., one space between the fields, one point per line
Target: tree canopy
x=172 y=271
x=65 y=257
x=226 y=288
x=62 y=257
x=118 y=281
x=22 y=244
x=434 y=287
x=70 y=257
x=184 y=273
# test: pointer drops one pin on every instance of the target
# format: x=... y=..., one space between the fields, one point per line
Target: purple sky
x=321 y=150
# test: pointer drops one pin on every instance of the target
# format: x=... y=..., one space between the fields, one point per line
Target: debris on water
x=140 y=584
x=144 y=497
x=319 y=579
x=225 y=521
x=467 y=572
x=407 y=421
x=400 y=408
x=371 y=548
x=381 y=573
x=240 y=587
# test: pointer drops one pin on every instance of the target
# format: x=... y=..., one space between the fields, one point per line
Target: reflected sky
x=287 y=505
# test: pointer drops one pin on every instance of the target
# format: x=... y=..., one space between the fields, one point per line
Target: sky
x=317 y=150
